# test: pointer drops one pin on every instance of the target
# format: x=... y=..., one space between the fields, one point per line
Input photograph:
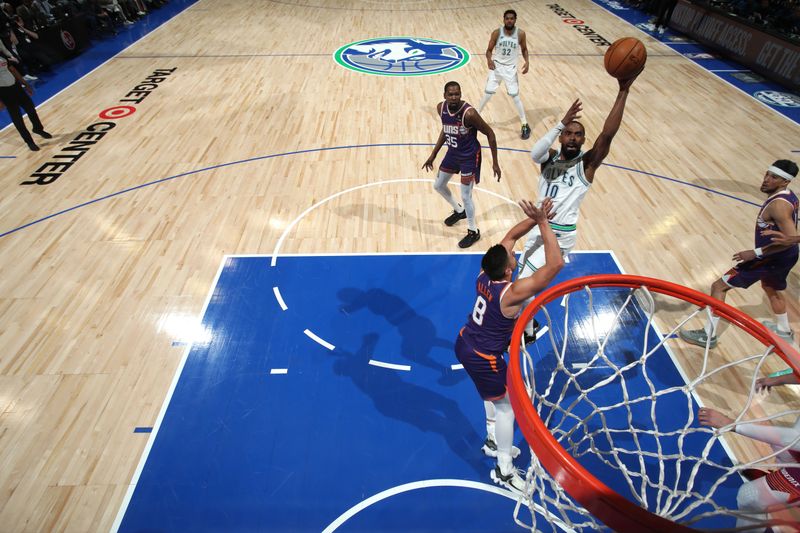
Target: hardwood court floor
x=90 y=297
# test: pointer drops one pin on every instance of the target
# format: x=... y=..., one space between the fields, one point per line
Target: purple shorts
x=488 y=371
x=771 y=271
x=469 y=166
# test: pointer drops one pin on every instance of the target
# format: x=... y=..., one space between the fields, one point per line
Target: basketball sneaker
x=454 y=217
x=526 y=132
x=698 y=337
x=489 y=448
x=773 y=327
x=512 y=481
x=470 y=238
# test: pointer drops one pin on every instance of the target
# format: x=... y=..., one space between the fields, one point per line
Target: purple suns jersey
x=459 y=139
x=761 y=224
x=487 y=330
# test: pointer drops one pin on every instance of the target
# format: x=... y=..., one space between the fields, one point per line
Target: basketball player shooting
x=485 y=337
x=566 y=175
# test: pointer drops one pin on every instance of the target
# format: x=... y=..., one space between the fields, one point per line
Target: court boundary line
x=162 y=412
x=325 y=149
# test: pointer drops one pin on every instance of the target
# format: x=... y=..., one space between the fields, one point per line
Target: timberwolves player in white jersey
x=502 y=54
x=566 y=176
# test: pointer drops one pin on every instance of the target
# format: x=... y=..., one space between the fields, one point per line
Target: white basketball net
x=650 y=459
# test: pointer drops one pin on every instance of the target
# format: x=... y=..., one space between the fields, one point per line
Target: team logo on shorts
x=778 y=98
x=401 y=56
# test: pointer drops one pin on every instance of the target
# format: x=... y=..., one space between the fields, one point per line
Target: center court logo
x=401 y=56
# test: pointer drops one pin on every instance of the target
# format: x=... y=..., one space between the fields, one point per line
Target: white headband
x=780 y=173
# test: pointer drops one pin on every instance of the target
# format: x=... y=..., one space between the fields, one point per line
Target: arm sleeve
x=541 y=149
x=775 y=435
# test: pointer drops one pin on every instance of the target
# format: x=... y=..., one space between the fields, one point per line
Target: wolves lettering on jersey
x=566 y=183
x=506 y=50
x=487 y=329
x=458 y=137
x=761 y=224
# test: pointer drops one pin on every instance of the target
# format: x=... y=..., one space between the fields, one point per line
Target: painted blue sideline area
x=741 y=77
x=100 y=51
x=243 y=448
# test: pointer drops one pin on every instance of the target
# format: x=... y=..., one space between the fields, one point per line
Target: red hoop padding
x=614 y=510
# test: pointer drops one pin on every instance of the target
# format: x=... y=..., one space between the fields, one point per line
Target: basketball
x=625 y=57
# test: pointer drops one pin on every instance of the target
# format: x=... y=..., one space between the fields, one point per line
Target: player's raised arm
x=594 y=157
x=524 y=288
x=476 y=120
x=541 y=150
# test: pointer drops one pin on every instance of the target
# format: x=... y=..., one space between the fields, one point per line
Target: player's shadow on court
x=417 y=406
x=418 y=334
x=397 y=216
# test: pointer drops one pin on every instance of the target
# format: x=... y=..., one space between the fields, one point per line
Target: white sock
x=711 y=325
x=504 y=429
x=440 y=185
x=469 y=207
x=783 y=323
x=490 y=418
x=483 y=102
x=520 y=108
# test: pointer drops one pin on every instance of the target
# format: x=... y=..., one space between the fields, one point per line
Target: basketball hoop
x=559 y=414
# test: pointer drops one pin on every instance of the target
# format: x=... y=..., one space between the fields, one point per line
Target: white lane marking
x=319 y=340
x=294 y=222
x=428 y=483
x=278 y=297
x=279 y=371
x=406 y=368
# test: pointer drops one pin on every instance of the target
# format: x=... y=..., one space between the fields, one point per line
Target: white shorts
x=533 y=257
x=506 y=74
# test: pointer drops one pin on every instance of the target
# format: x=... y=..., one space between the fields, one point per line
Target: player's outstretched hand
x=497 y=171
x=744 y=255
x=539 y=214
x=713 y=418
x=428 y=165
x=573 y=112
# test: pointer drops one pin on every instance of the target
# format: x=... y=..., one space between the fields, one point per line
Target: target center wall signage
x=94 y=133
x=765 y=53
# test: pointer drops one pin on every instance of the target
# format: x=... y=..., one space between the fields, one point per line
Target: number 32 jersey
x=487 y=330
x=566 y=184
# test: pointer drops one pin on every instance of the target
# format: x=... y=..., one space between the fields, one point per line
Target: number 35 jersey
x=460 y=140
x=566 y=184
x=487 y=330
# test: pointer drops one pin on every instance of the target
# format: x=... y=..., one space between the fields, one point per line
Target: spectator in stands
x=9 y=40
x=115 y=10
x=31 y=53
x=663 y=14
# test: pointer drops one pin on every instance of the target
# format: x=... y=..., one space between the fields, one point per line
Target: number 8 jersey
x=487 y=329
x=566 y=183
